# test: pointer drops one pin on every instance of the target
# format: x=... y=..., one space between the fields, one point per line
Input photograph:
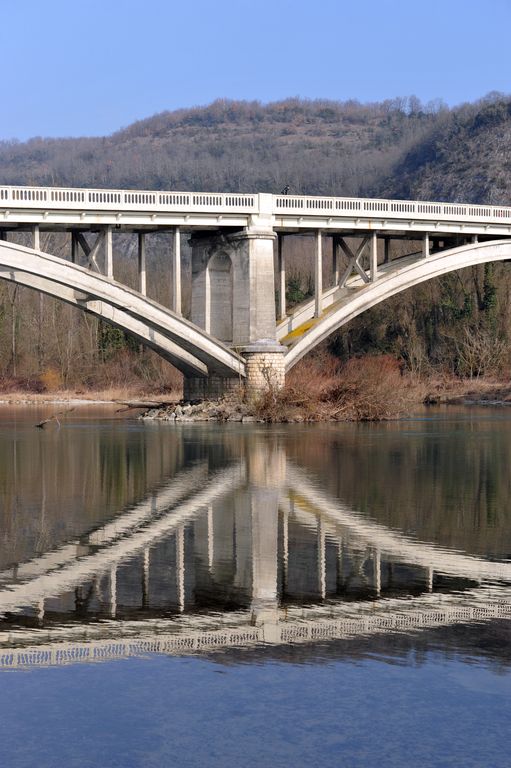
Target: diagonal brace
x=354 y=260
x=91 y=252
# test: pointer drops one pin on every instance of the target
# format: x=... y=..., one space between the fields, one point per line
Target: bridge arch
x=392 y=280
x=185 y=345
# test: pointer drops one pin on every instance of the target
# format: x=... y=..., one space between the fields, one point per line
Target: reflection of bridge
x=233 y=330
x=116 y=640
x=260 y=505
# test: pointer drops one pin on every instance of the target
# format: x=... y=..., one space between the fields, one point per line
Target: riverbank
x=367 y=389
x=373 y=389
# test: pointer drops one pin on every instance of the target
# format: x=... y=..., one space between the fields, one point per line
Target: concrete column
x=234 y=274
x=318 y=274
x=425 y=246
x=282 y=277
x=142 y=283
x=475 y=239
x=109 y=263
x=386 y=257
x=335 y=259
x=74 y=247
x=36 y=239
x=373 y=256
x=176 y=272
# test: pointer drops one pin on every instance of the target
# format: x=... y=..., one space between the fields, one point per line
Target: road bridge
x=236 y=330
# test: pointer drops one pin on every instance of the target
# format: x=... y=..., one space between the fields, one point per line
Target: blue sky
x=91 y=67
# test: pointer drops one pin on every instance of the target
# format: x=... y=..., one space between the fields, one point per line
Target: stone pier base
x=265 y=370
x=265 y=367
x=212 y=388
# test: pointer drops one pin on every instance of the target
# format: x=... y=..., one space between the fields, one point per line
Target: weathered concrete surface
x=233 y=286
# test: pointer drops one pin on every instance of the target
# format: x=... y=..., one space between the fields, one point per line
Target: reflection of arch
x=220 y=296
x=394 y=278
x=187 y=346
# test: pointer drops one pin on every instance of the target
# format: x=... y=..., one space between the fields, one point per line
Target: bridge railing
x=125 y=200
x=149 y=201
x=389 y=209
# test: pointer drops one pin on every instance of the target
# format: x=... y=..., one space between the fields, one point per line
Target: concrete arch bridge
x=236 y=330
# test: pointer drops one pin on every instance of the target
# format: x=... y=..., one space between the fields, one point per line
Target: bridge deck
x=53 y=207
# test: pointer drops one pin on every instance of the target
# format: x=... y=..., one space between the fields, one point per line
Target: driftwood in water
x=134 y=404
x=55 y=417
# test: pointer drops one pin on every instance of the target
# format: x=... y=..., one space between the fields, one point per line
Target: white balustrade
x=16 y=198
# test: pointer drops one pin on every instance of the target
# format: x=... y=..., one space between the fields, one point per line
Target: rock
x=249 y=419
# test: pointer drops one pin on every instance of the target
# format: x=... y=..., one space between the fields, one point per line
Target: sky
x=91 y=67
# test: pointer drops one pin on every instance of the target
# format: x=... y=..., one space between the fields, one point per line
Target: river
x=253 y=595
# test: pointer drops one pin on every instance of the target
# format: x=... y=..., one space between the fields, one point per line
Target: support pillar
x=176 y=272
x=265 y=367
x=109 y=262
x=373 y=258
x=74 y=247
x=36 y=239
x=142 y=284
x=233 y=299
x=282 y=277
x=318 y=281
x=335 y=259
x=425 y=246
x=386 y=254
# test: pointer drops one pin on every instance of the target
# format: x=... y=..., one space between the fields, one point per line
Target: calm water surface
x=255 y=596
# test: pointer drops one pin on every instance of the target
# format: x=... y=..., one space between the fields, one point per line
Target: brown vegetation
x=371 y=388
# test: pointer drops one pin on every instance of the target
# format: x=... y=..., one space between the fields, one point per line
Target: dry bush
x=363 y=389
x=371 y=389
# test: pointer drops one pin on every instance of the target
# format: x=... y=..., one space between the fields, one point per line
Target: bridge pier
x=233 y=299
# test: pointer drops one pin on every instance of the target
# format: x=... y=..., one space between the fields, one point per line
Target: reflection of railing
x=301 y=625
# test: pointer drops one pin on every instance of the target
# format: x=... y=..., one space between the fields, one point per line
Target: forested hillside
x=397 y=148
